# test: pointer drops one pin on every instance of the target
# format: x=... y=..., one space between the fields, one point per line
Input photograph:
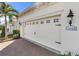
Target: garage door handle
x=57 y=42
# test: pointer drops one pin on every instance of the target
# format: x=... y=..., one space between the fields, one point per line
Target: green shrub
x=16 y=34
x=68 y=54
x=2 y=28
x=10 y=35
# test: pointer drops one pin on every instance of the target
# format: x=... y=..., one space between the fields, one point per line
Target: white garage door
x=45 y=32
x=50 y=33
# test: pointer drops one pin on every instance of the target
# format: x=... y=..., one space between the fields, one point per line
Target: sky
x=19 y=6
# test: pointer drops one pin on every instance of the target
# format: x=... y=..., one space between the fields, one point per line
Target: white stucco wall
x=70 y=39
x=47 y=34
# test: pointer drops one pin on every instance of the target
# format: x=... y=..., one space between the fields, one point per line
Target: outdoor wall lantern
x=20 y=23
x=70 y=15
x=71 y=27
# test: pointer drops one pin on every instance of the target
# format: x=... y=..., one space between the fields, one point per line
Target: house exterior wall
x=70 y=38
x=49 y=34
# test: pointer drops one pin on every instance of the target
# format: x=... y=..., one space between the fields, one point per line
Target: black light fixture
x=70 y=15
x=19 y=23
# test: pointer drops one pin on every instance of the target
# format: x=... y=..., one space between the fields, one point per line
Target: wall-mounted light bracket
x=70 y=15
x=20 y=23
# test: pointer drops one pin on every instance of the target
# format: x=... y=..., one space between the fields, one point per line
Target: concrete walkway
x=21 y=47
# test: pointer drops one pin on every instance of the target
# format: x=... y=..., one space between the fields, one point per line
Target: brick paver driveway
x=21 y=47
